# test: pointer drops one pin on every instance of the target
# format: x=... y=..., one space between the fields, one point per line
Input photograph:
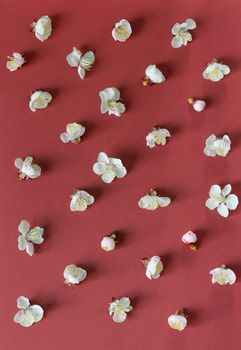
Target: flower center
x=38 y=102
x=86 y=64
x=121 y=30
x=114 y=105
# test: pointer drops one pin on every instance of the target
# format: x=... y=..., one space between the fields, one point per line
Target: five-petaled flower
x=119 y=308
x=153 y=75
x=42 y=28
x=15 y=61
x=109 y=168
x=181 y=33
x=178 y=320
x=154 y=267
x=81 y=61
x=110 y=102
x=73 y=133
x=29 y=236
x=216 y=71
x=122 y=31
x=27 y=168
x=152 y=201
x=74 y=275
x=39 y=100
x=28 y=314
x=223 y=275
x=108 y=243
x=222 y=200
x=80 y=200
x=217 y=146
x=157 y=136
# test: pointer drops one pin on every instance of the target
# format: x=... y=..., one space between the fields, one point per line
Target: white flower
x=82 y=62
x=110 y=102
x=15 y=61
x=73 y=133
x=157 y=137
x=109 y=168
x=217 y=146
x=80 y=200
x=28 y=314
x=198 y=105
x=189 y=237
x=74 y=275
x=154 y=267
x=216 y=71
x=178 y=321
x=108 y=243
x=119 y=309
x=181 y=32
x=42 y=28
x=222 y=200
x=122 y=31
x=28 y=237
x=27 y=168
x=153 y=75
x=223 y=276
x=153 y=201
x=39 y=100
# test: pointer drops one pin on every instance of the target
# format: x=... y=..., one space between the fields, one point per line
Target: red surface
x=77 y=318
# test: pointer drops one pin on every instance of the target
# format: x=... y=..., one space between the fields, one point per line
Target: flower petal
x=232 y=201
x=74 y=57
x=22 y=242
x=23 y=303
x=212 y=203
x=108 y=176
x=81 y=72
x=223 y=210
x=37 y=312
x=24 y=227
x=226 y=190
x=30 y=249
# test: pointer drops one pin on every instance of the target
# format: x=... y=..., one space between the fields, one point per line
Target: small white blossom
x=81 y=200
x=122 y=31
x=27 y=168
x=178 y=320
x=109 y=168
x=181 y=33
x=110 y=102
x=154 y=267
x=39 y=100
x=119 y=309
x=223 y=276
x=157 y=136
x=189 y=237
x=152 y=201
x=217 y=146
x=42 y=28
x=198 y=105
x=73 y=133
x=222 y=200
x=29 y=236
x=108 y=243
x=74 y=275
x=15 y=61
x=216 y=71
x=81 y=61
x=153 y=75
x=28 y=314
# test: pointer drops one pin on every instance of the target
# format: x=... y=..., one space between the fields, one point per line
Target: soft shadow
x=137 y=25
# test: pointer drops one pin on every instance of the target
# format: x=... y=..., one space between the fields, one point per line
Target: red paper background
x=78 y=318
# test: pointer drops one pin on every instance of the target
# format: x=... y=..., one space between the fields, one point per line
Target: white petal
x=99 y=168
x=23 y=303
x=212 y=203
x=35 y=235
x=215 y=190
x=18 y=163
x=89 y=56
x=30 y=249
x=24 y=227
x=74 y=57
x=226 y=190
x=119 y=317
x=176 y=42
x=22 y=242
x=108 y=176
x=163 y=201
x=232 y=201
x=120 y=171
x=81 y=72
x=102 y=157
x=37 y=312
x=223 y=210
x=65 y=137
